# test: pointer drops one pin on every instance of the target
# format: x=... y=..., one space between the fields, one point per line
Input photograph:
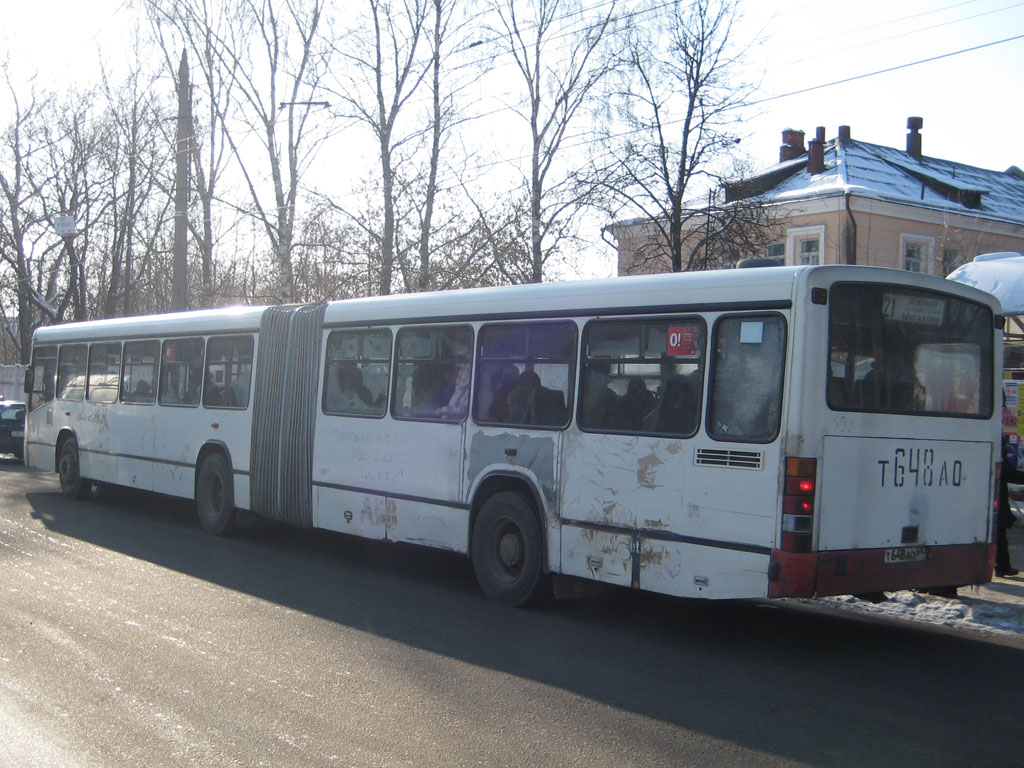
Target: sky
x=869 y=65
x=970 y=102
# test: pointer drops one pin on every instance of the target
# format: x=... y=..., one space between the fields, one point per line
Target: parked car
x=12 y=428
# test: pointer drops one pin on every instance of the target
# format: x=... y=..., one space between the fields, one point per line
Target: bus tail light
x=798 y=501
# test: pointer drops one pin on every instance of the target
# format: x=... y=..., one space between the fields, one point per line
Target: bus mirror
x=29 y=378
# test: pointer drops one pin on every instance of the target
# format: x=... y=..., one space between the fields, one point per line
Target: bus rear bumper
x=864 y=571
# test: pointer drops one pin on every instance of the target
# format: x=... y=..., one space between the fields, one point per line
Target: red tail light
x=798 y=501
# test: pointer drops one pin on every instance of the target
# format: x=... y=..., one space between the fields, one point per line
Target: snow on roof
x=871 y=170
x=1001 y=274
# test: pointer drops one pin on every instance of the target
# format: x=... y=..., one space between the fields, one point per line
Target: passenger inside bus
x=503 y=381
x=518 y=399
x=351 y=395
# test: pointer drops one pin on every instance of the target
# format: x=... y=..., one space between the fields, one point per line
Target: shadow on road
x=801 y=685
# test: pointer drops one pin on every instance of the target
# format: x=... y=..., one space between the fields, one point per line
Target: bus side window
x=432 y=373
x=138 y=374
x=525 y=374
x=104 y=372
x=44 y=369
x=71 y=366
x=356 y=372
x=643 y=376
x=228 y=372
x=181 y=372
x=746 y=378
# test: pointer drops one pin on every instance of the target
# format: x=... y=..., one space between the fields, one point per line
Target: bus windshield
x=901 y=350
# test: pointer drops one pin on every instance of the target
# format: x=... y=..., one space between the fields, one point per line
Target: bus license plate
x=906 y=555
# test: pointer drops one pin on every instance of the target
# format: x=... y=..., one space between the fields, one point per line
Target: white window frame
x=927 y=256
x=796 y=235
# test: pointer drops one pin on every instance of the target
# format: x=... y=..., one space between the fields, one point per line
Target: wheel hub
x=510 y=550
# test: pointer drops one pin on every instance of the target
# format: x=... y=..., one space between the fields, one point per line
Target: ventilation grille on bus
x=712 y=457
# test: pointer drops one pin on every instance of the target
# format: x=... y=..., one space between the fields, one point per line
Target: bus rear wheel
x=215 y=495
x=508 y=550
x=72 y=484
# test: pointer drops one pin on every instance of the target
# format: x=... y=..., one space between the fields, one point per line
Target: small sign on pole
x=65 y=225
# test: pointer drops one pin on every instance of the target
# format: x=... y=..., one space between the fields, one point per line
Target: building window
x=805 y=245
x=916 y=254
x=776 y=251
x=808 y=251
x=951 y=259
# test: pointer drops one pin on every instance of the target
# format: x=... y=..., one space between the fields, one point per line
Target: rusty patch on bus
x=646 y=470
x=652 y=556
x=532 y=453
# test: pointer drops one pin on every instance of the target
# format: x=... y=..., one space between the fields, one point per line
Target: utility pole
x=182 y=153
x=67 y=229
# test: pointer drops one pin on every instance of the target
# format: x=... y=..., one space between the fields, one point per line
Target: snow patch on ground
x=991 y=608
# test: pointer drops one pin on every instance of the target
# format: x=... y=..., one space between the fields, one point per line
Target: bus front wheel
x=215 y=495
x=72 y=484
x=508 y=550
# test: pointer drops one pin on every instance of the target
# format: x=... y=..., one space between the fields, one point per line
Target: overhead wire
x=919 y=30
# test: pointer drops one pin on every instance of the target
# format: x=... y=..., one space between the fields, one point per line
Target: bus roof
x=227 y=319
x=686 y=291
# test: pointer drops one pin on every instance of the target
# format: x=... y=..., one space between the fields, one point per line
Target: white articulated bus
x=732 y=434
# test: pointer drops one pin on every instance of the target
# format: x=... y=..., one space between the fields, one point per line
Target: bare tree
x=35 y=265
x=200 y=27
x=386 y=63
x=262 y=64
x=678 y=99
x=558 y=53
x=441 y=118
x=132 y=157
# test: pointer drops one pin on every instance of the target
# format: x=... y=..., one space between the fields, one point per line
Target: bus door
x=40 y=430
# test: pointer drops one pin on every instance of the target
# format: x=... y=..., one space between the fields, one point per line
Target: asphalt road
x=128 y=637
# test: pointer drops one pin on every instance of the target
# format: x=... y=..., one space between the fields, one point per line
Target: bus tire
x=215 y=495
x=72 y=484
x=508 y=550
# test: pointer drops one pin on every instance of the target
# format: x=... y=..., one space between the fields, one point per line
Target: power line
x=919 y=30
x=584 y=142
x=884 y=71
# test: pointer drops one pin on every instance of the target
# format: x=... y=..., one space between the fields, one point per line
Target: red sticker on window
x=682 y=340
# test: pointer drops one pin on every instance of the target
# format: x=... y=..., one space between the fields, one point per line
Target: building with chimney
x=844 y=201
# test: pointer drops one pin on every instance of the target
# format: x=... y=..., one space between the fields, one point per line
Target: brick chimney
x=816 y=152
x=914 y=125
x=792 y=145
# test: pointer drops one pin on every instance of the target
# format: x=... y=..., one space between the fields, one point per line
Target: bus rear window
x=900 y=350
